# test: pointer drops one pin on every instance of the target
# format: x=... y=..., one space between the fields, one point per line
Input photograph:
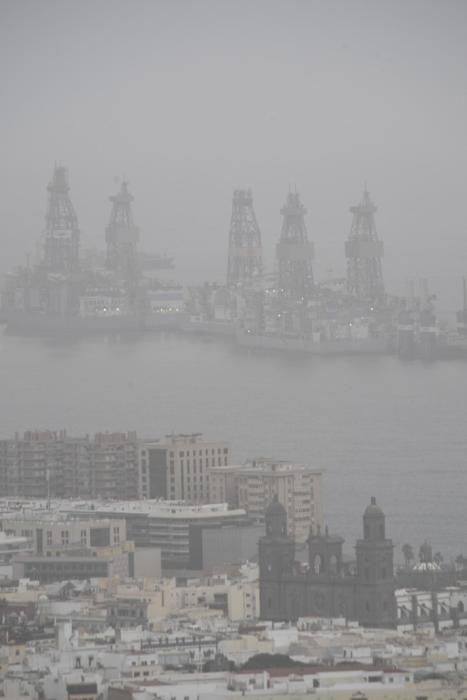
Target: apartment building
x=42 y=464
x=113 y=465
x=178 y=468
x=252 y=487
x=62 y=547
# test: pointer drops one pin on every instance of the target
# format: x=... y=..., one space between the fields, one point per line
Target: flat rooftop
x=155 y=508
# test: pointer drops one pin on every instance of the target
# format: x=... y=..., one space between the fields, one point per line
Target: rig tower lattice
x=61 y=237
x=364 y=252
x=121 y=236
x=245 y=252
x=295 y=252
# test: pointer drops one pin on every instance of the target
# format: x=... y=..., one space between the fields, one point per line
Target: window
x=49 y=537
x=65 y=537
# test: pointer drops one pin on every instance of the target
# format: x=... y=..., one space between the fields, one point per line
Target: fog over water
x=378 y=426
x=189 y=100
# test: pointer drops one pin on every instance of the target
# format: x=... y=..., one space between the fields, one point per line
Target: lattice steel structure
x=245 y=251
x=61 y=237
x=364 y=252
x=121 y=236
x=295 y=252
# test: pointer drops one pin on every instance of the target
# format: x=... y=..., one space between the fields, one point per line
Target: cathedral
x=324 y=587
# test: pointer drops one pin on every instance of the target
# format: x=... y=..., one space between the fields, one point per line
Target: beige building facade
x=252 y=487
x=178 y=467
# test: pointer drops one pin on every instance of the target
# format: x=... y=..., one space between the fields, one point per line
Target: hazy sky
x=189 y=100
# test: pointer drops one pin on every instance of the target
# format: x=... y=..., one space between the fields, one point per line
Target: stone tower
x=376 y=604
x=324 y=553
x=276 y=559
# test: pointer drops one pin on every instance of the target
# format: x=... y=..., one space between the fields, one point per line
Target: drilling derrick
x=364 y=251
x=245 y=253
x=295 y=252
x=121 y=236
x=61 y=245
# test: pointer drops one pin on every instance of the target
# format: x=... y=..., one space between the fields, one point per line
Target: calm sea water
x=377 y=426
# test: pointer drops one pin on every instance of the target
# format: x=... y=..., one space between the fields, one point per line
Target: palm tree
x=438 y=558
x=407 y=551
x=461 y=562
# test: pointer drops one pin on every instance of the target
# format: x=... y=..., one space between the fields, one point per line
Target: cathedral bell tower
x=276 y=561
x=376 y=605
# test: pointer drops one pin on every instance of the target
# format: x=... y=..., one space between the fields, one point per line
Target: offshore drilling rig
x=245 y=251
x=295 y=252
x=364 y=252
x=121 y=237
x=65 y=293
x=61 y=236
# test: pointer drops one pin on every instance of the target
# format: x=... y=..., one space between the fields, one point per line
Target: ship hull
x=225 y=329
x=35 y=323
x=306 y=345
x=26 y=323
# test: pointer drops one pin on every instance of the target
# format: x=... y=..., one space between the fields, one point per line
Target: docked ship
x=344 y=343
x=453 y=345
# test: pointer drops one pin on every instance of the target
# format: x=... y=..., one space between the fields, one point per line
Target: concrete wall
x=148 y=562
x=230 y=545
